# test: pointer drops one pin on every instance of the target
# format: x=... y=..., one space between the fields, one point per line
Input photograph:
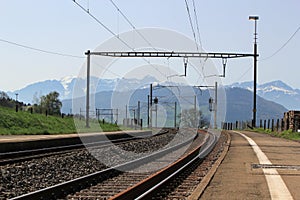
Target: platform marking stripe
x=277 y=187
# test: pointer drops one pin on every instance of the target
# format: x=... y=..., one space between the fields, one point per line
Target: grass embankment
x=289 y=134
x=25 y=123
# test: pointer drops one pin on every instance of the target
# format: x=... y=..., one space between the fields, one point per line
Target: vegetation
x=6 y=101
x=192 y=118
x=289 y=134
x=50 y=103
x=25 y=123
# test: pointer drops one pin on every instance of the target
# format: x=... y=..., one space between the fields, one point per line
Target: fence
x=271 y=124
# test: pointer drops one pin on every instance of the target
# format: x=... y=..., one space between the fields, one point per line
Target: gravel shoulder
x=23 y=177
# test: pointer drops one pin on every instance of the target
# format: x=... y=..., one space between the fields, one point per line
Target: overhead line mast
x=163 y=54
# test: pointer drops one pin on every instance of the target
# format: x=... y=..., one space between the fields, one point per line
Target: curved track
x=132 y=183
x=149 y=187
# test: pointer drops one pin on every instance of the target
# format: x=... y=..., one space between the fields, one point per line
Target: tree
x=6 y=101
x=51 y=104
x=192 y=119
x=3 y=95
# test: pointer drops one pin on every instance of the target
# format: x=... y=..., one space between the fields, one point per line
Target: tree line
x=48 y=104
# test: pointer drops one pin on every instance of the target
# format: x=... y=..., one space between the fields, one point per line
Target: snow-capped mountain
x=239 y=97
x=276 y=91
x=65 y=87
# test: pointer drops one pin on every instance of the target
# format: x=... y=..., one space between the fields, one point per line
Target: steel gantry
x=167 y=54
x=171 y=54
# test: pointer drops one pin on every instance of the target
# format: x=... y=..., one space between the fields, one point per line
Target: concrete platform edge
x=206 y=180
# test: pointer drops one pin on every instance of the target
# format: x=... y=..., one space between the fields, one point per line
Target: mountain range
x=274 y=97
x=276 y=91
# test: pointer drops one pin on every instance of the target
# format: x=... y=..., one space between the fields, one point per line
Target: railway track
x=19 y=156
x=130 y=180
x=184 y=184
x=156 y=184
x=27 y=176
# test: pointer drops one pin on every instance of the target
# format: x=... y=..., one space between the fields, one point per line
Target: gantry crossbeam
x=172 y=54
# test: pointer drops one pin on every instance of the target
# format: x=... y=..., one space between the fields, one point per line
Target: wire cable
x=242 y=76
x=131 y=24
x=194 y=34
x=197 y=24
x=103 y=25
x=111 y=32
x=40 y=50
x=276 y=52
x=191 y=23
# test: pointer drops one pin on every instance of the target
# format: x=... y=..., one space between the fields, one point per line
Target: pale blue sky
x=61 y=26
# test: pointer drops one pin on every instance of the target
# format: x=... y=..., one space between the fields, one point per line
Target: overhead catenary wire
x=103 y=25
x=242 y=76
x=131 y=24
x=276 y=52
x=194 y=34
x=40 y=50
x=134 y=28
x=197 y=23
x=114 y=34
x=191 y=23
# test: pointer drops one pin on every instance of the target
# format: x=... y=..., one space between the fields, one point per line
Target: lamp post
x=255 y=18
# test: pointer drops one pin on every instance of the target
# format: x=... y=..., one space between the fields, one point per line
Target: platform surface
x=269 y=168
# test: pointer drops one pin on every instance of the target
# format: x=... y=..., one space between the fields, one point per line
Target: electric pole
x=255 y=18
x=87 y=123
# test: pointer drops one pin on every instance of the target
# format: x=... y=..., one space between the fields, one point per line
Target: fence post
x=272 y=125
x=260 y=123
x=268 y=123
x=265 y=121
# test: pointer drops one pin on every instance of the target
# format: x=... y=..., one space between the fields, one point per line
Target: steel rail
x=146 y=189
x=17 y=156
x=62 y=189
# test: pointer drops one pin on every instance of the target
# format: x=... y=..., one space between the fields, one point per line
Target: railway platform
x=257 y=166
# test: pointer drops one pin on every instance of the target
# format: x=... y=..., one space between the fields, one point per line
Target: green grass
x=25 y=123
x=289 y=134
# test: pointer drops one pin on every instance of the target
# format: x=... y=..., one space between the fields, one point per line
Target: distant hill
x=276 y=91
x=238 y=102
x=239 y=95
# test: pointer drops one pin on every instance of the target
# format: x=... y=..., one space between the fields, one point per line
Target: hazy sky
x=61 y=26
